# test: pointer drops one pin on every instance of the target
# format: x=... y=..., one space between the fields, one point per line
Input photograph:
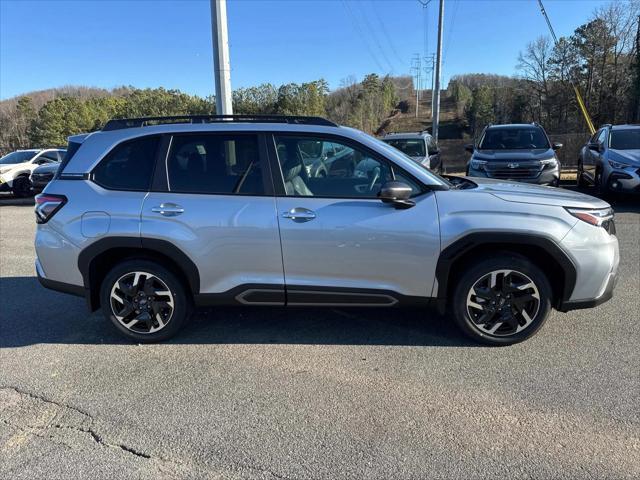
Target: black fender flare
x=163 y=247
x=465 y=244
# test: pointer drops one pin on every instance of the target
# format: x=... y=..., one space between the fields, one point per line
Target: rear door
x=340 y=243
x=213 y=198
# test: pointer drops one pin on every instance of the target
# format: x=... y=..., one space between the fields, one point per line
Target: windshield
x=514 y=138
x=17 y=157
x=411 y=147
x=625 y=139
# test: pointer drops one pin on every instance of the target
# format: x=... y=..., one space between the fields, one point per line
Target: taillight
x=47 y=205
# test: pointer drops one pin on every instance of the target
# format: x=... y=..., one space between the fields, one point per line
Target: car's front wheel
x=22 y=187
x=145 y=301
x=502 y=300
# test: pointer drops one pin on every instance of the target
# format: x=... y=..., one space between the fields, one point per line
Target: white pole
x=436 y=93
x=221 y=61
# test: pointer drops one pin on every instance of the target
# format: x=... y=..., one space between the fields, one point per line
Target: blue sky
x=168 y=43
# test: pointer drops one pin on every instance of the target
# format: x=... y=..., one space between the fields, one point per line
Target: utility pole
x=637 y=115
x=436 y=93
x=221 y=62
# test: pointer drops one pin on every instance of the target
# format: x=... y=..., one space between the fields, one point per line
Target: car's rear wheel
x=22 y=187
x=580 y=180
x=502 y=300
x=145 y=301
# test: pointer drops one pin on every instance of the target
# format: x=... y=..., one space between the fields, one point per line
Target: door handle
x=299 y=214
x=168 y=209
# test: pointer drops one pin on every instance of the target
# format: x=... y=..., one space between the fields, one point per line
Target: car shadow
x=10 y=200
x=32 y=315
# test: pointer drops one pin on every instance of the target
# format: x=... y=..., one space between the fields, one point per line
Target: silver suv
x=150 y=218
x=421 y=147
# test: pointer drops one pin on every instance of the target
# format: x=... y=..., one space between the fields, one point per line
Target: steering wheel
x=303 y=154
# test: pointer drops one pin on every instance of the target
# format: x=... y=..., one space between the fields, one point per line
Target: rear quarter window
x=129 y=166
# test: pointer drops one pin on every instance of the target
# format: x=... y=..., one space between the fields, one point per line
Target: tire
x=508 y=321
x=600 y=190
x=580 y=180
x=22 y=187
x=161 y=314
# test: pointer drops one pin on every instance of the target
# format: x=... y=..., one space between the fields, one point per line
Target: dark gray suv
x=520 y=152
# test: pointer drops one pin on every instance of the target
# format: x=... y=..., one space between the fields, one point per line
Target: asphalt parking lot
x=274 y=394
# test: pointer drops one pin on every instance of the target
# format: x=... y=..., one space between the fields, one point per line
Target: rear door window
x=215 y=164
x=129 y=166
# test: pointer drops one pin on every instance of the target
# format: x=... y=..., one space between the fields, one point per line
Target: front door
x=217 y=206
x=340 y=243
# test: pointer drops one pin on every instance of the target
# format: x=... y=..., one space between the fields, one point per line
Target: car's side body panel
x=361 y=243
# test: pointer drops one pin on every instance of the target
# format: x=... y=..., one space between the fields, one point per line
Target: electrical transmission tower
x=416 y=66
x=429 y=69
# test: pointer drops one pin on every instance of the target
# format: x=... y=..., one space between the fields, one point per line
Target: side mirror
x=556 y=146
x=397 y=194
x=434 y=151
x=595 y=146
x=469 y=147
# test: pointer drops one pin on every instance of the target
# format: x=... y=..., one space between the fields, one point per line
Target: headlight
x=478 y=164
x=549 y=162
x=596 y=217
x=618 y=164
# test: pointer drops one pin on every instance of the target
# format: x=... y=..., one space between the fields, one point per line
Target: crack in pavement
x=35 y=415
x=33 y=405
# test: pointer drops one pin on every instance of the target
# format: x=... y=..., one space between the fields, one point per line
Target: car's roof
x=391 y=136
x=513 y=125
x=625 y=127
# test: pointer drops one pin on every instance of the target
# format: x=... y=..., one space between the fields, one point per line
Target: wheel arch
x=544 y=252
x=97 y=259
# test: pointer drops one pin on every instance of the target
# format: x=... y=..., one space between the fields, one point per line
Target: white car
x=16 y=167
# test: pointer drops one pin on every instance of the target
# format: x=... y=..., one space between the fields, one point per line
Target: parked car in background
x=16 y=168
x=610 y=160
x=421 y=147
x=149 y=217
x=42 y=175
x=323 y=159
x=519 y=152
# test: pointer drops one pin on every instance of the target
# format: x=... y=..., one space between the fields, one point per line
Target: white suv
x=16 y=167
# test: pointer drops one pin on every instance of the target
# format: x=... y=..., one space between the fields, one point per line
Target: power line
x=356 y=27
x=583 y=108
x=450 y=31
x=369 y=28
x=385 y=32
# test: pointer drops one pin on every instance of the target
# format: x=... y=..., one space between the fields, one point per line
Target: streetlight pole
x=221 y=61
x=436 y=93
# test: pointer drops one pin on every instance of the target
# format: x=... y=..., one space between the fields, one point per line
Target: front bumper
x=606 y=295
x=625 y=180
x=545 y=177
x=5 y=186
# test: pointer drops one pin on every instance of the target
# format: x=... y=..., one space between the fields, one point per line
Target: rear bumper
x=76 y=290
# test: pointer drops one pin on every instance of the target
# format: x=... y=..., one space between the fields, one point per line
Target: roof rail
x=606 y=125
x=120 y=123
